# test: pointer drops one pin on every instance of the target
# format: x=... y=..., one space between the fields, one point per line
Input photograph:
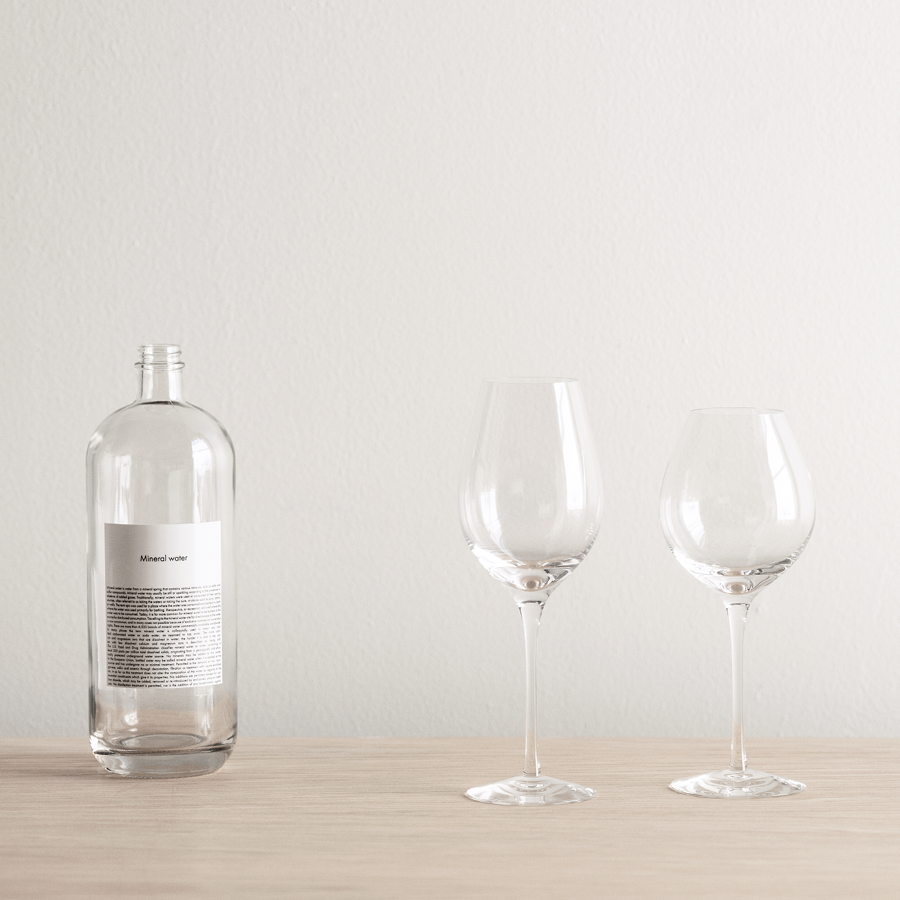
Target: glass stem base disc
x=730 y=784
x=528 y=790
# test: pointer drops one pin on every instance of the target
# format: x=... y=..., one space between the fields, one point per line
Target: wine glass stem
x=531 y=606
x=737 y=619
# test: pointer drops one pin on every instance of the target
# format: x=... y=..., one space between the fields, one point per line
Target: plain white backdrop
x=348 y=213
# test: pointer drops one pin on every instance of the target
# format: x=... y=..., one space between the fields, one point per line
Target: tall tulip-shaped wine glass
x=530 y=504
x=737 y=509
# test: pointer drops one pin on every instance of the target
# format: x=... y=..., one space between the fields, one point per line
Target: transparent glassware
x=161 y=581
x=737 y=509
x=530 y=504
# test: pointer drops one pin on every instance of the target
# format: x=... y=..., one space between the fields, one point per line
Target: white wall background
x=350 y=212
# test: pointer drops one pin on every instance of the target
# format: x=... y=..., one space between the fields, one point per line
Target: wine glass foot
x=730 y=784
x=527 y=790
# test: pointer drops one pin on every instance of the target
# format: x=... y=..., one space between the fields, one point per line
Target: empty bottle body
x=161 y=583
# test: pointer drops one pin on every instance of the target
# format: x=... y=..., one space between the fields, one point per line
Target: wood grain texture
x=386 y=818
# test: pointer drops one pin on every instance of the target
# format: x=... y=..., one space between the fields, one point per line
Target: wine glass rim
x=531 y=379
x=737 y=411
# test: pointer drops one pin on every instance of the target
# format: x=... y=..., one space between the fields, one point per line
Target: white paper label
x=163 y=605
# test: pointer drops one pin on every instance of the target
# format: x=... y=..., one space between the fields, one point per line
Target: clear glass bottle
x=161 y=581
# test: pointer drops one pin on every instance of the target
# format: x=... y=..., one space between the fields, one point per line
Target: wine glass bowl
x=530 y=503
x=737 y=510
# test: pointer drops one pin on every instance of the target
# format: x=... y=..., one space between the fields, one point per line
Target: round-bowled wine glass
x=530 y=504
x=737 y=509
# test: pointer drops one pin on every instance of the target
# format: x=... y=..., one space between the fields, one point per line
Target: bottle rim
x=737 y=411
x=165 y=356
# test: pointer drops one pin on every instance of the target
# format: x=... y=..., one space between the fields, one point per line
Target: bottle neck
x=159 y=374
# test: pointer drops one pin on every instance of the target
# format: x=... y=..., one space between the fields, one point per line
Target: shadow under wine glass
x=530 y=504
x=737 y=509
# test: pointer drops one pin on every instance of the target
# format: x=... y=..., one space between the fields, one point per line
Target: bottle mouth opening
x=165 y=356
x=530 y=379
x=736 y=411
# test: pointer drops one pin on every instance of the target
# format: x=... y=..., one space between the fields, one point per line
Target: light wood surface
x=386 y=818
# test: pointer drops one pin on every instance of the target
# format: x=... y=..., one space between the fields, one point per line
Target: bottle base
x=163 y=764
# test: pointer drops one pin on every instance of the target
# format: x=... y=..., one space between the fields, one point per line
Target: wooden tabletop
x=386 y=818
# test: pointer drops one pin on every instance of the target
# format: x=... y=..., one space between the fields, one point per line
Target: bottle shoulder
x=156 y=426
